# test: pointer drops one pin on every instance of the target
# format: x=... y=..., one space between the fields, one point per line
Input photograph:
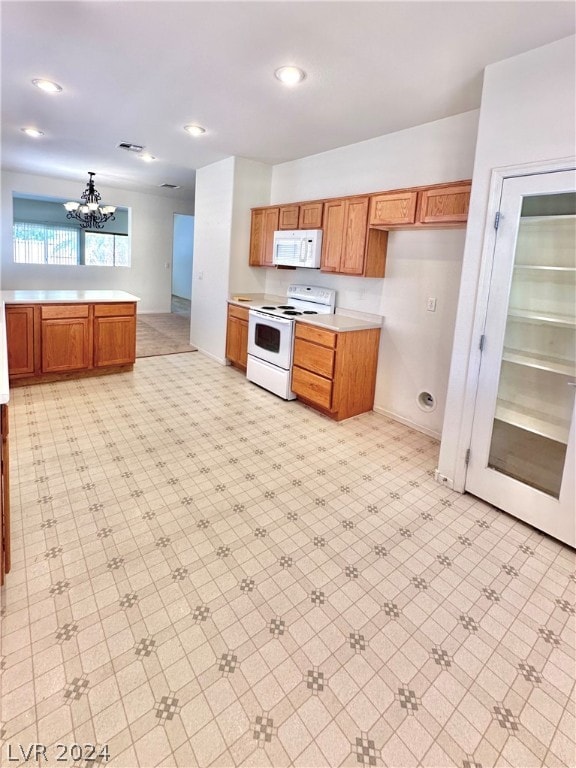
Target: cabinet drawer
x=240 y=312
x=314 y=357
x=114 y=310
x=316 y=335
x=64 y=311
x=310 y=386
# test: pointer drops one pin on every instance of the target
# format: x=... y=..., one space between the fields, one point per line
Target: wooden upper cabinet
x=333 y=236
x=349 y=247
x=445 y=205
x=310 y=216
x=303 y=216
x=352 y=261
x=393 y=208
x=264 y=224
x=288 y=217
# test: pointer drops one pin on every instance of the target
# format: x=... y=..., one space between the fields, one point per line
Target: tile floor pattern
x=206 y=575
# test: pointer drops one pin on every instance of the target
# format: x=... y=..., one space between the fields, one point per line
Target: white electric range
x=271 y=335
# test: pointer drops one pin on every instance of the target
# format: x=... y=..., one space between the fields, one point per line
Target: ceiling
x=140 y=71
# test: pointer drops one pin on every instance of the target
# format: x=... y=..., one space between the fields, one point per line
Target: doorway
x=182 y=259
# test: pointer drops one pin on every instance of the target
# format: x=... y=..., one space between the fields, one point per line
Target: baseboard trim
x=408 y=423
x=221 y=360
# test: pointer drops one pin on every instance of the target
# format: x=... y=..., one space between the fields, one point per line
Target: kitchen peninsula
x=52 y=335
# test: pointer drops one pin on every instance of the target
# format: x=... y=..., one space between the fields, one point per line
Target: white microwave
x=297 y=248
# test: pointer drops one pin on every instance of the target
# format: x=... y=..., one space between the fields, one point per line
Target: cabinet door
x=271 y=216
x=522 y=451
x=264 y=224
x=352 y=261
x=237 y=342
x=288 y=217
x=445 y=205
x=393 y=208
x=114 y=340
x=20 y=340
x=256 y=238
x=65 y=344
x=333 y=237
x=310 y=216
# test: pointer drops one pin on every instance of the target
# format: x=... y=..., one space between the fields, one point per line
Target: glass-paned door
x=522 y=450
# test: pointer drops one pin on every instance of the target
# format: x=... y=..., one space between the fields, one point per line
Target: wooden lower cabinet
x=47 y=342
x=65 y=342
x=237 y=336
x=20 y=340
x=114 y=334
x=5 y=558
x=335 y=372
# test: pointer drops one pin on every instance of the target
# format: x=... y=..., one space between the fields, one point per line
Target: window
x=39 y=243
x=45 y=244
x=105 y=249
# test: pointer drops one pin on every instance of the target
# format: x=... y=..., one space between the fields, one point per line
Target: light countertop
x=58 y=297
x=340 y=321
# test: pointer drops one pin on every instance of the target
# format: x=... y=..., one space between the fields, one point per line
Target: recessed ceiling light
x=290 y=75
x=34 y=133
x=147 y=157
x=194 y=130
x=47 y=85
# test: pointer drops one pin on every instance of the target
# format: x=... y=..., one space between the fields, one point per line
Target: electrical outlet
x=431 y=304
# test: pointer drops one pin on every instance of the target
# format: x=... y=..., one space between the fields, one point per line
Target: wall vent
x=130 y=147
x=169 y=186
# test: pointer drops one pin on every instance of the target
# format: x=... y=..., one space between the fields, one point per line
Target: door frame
x=497 y=179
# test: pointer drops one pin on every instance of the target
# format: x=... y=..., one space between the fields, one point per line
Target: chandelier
x=90 y=213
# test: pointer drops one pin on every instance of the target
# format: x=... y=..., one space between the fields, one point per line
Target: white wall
x=251 y=189
x=415 y=345
x=151 y=234
x=527 y=116
x=225 y=192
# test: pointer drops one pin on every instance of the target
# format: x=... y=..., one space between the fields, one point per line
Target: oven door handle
x=271 y=318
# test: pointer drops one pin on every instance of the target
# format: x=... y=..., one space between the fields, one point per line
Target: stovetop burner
x=300 y=300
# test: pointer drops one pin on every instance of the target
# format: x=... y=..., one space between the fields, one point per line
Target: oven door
x=270 y=338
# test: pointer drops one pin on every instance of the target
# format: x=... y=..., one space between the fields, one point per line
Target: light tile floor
x=207 y=575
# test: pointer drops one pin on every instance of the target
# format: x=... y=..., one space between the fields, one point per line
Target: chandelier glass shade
x=90 y=213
